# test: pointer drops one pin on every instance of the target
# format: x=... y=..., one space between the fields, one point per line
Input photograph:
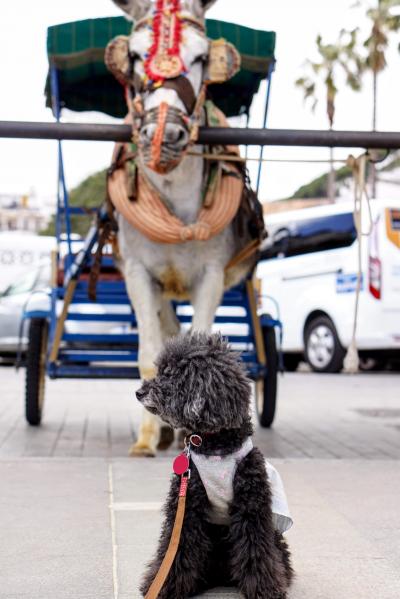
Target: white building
x=22 y=212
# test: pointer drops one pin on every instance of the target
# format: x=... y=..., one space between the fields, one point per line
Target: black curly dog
x=202 y=387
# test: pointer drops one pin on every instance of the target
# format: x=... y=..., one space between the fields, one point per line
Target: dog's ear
x=194 y=407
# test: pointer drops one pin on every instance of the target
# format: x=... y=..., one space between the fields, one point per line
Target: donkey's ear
x=116 y=57
x=201 y=6
x=206 y=4
x=137 y=9
x=223 y=62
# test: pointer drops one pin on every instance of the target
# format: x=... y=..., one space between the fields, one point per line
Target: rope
x=230 y=158
x=149 y=214
x=358 y=166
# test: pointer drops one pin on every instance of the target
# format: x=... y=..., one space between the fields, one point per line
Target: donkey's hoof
x=141 y=451
x=166 y=437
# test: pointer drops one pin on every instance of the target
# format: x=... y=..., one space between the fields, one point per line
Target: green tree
x=334 y=61
x=89 y=194
x=317 y=187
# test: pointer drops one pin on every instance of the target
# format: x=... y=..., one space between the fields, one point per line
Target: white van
x=20 y=253
x=309 y=266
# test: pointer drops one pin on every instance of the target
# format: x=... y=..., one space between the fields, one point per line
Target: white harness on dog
x=217 y=473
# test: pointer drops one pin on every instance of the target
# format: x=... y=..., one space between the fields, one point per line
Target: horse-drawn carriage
x=78 y=80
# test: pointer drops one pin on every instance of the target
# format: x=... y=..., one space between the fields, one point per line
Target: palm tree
x=384 y=22
x=333 y=60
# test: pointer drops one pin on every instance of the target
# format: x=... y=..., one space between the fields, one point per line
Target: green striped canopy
x=77 y=51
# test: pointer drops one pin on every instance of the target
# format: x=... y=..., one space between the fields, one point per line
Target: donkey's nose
x=148 y=131
x=174 y=134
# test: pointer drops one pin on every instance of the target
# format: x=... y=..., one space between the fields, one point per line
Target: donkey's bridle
x=160 y=115
x=181 y=85
x=185 y=92
x=158 y=155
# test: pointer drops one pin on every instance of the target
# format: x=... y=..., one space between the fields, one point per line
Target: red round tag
x=181 y=464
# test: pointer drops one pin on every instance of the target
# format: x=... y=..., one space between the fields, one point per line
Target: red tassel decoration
x=164 y=60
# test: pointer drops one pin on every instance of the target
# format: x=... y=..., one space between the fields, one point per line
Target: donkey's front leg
x=206 y=297
x=146 y=301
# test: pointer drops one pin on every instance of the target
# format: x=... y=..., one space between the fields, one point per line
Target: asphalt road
x=79 y=519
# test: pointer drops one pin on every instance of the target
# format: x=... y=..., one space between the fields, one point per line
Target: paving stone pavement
x=80 y=520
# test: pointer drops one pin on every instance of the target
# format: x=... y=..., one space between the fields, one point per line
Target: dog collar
x=195 y=439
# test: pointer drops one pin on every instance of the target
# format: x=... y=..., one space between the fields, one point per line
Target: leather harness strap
x=184 y=89
x=249 y=250
x=106 y=234
x=170 y=555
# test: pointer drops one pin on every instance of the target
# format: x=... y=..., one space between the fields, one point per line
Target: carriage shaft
x=208 y=135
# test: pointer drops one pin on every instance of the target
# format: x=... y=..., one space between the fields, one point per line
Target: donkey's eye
x=202 y=58
x=133 y=56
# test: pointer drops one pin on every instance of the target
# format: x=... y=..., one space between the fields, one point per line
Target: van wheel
x=323 y=350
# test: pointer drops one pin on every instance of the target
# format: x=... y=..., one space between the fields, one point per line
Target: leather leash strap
x=169 y=557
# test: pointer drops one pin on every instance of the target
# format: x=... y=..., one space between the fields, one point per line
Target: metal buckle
x=196 y=440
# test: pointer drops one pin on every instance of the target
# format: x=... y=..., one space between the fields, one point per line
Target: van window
x=312 y=235
x=43 y=279
x=23 y=285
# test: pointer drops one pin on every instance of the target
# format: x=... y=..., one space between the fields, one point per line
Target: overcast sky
x=26 y=165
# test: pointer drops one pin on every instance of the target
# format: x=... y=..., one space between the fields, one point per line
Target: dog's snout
x=141 y=394
x=145 y=395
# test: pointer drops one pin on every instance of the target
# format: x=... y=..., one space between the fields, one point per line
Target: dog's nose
x=141 y=394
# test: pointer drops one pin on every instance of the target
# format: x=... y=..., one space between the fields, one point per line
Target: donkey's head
x=165 y=66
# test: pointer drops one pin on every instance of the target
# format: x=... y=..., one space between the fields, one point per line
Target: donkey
x=155 y=272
